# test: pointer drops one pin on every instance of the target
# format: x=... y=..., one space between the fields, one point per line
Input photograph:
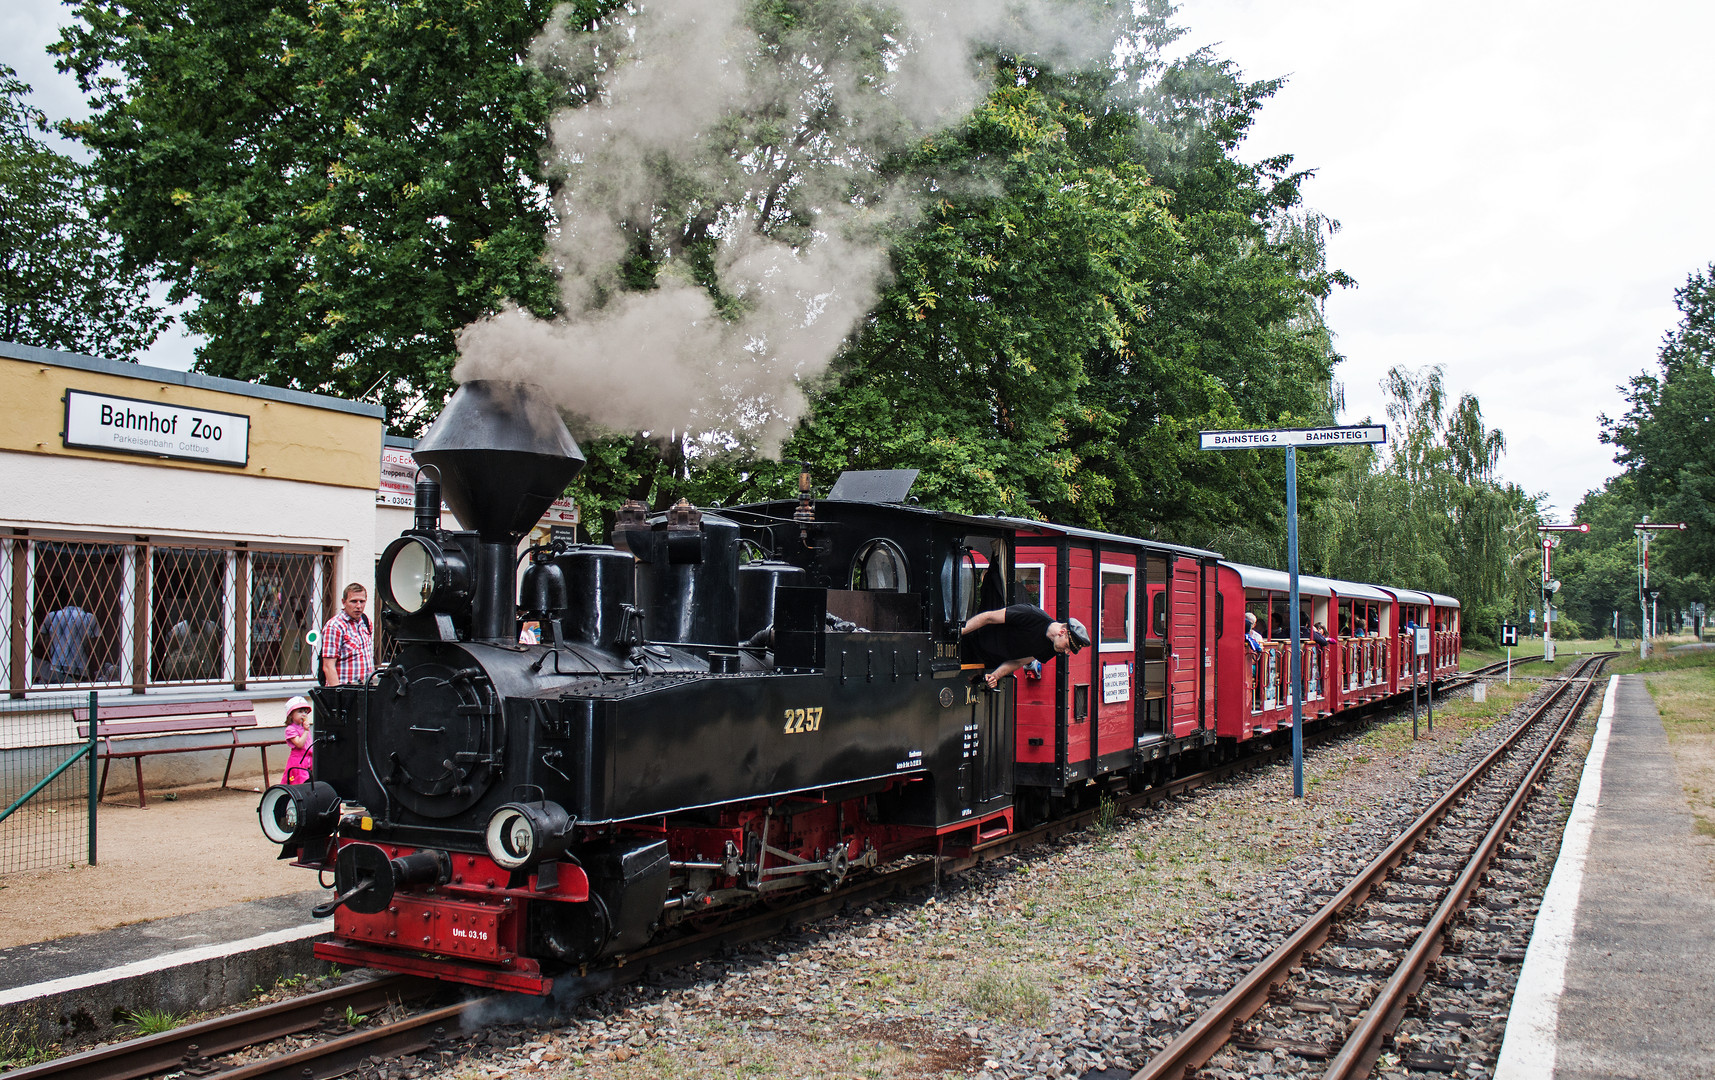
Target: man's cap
x=1080 y=636
x=299 y=702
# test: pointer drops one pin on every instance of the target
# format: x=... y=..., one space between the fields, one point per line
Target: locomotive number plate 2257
x=799 y=721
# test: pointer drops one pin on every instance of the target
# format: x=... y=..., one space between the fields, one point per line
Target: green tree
x=61 y=282
x=1667 y=431
x=335 y=186
x=1062 y=322
x=1432 y=512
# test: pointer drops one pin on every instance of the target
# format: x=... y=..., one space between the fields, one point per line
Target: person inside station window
x=1008 y=638
x=72 y=634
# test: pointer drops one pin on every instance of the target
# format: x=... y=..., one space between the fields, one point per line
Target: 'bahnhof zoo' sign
x=130 y=426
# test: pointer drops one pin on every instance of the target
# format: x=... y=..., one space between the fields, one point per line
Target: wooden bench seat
x=122 y=728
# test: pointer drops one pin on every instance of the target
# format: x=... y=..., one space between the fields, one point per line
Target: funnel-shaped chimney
x=504 y=456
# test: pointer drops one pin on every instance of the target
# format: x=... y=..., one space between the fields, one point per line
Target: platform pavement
x=1619 y=979
x=83 y=988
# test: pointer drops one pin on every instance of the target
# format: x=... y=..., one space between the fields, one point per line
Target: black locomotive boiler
x=723 y=706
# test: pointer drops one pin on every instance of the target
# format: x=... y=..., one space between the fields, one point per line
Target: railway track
x=324 y=1045
x=1425 y=878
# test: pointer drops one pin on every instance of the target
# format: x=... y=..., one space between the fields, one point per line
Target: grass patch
x=152 y=1021
x=1683 y=688
x=1006 y=995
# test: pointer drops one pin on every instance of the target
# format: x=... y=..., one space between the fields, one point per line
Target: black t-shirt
x=1024 y=633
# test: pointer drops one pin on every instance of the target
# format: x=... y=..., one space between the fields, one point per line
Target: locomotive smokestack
x=504 y=456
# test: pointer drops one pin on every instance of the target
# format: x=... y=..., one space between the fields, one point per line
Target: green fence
x=47 y=784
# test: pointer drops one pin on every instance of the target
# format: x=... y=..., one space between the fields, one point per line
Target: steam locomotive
x=727 y=706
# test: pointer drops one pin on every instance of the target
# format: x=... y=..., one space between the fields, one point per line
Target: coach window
x=1027 y=585
x=880 y=567
x=1158 y=614
x=1116 y=608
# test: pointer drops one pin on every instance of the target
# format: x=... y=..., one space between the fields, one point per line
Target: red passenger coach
x=1253 y=693
x=1445 y=635
x=1365 y=643
x=1145 y=689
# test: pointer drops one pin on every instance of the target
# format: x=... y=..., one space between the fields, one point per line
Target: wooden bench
x=219 y=721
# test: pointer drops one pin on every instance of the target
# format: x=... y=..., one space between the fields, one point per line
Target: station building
x=171 y=533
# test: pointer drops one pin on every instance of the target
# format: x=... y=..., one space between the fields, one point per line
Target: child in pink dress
x=298 y=738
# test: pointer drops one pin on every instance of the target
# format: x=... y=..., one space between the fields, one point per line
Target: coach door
x=1210 y=630
x=1185 y=645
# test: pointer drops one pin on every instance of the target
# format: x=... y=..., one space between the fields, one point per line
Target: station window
x=1116 y=608
x=112 y=613
x=880 y=567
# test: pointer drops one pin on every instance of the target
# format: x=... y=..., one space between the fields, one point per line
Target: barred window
x=77 y=613
x=93 y=613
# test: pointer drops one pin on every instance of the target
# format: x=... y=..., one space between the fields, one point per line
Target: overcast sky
x=1521 y=185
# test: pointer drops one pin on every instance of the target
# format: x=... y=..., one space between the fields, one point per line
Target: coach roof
x=1261 y=577
x=1112 y=539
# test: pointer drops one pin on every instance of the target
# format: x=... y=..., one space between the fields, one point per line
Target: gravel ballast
x=1079 y=957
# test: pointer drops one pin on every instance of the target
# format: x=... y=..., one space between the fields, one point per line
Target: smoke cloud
x=747 y=160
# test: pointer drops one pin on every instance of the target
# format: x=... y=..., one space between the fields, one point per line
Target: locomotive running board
x=527 y=979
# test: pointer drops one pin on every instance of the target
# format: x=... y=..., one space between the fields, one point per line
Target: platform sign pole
x=1295 y=670
x=1289 y=439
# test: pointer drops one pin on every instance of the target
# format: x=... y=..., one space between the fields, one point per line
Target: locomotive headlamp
x=520 y=835
x=291 y=812
x=417 y=574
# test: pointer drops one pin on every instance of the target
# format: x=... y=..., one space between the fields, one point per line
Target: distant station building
x=164 y=531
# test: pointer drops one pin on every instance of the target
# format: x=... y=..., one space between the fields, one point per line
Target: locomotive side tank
x=494 y=812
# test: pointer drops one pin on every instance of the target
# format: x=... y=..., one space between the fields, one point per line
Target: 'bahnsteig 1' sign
x=155 y=429
x=1262 y=440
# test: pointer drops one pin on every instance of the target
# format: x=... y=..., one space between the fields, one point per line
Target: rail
x=1216 y=1027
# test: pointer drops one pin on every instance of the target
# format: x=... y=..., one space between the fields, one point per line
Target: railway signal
x=1549 y=585
x=1290 y=439
x=1646 y=610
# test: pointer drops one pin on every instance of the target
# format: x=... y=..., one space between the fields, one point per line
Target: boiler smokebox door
x=435 y=744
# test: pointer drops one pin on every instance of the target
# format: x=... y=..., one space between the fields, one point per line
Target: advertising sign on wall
x=155 y=429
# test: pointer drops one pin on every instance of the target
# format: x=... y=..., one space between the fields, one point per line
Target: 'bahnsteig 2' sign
x=1262 y=440
x=155 y=429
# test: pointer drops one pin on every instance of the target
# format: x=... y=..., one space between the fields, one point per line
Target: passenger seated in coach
x=1318 y=634
x=1276 y=626
x=1253 y=640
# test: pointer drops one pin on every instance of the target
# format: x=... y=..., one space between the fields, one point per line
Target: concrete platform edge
x=91 y=1006
x=1528 y=1046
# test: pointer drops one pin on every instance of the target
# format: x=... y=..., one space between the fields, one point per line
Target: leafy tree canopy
x=1665 y=436
x=62 y=285
x=337 y=186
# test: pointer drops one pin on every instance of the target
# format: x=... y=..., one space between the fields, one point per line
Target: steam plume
x=701 y=133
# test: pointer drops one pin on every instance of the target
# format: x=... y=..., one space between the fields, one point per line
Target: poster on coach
x=155 y=429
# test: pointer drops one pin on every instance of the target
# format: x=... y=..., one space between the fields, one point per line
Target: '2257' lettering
x=802 y=720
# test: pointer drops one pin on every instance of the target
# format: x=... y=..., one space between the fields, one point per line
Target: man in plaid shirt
x=348 y=641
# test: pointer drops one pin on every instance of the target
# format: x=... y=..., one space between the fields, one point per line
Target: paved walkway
x=1619 y=981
